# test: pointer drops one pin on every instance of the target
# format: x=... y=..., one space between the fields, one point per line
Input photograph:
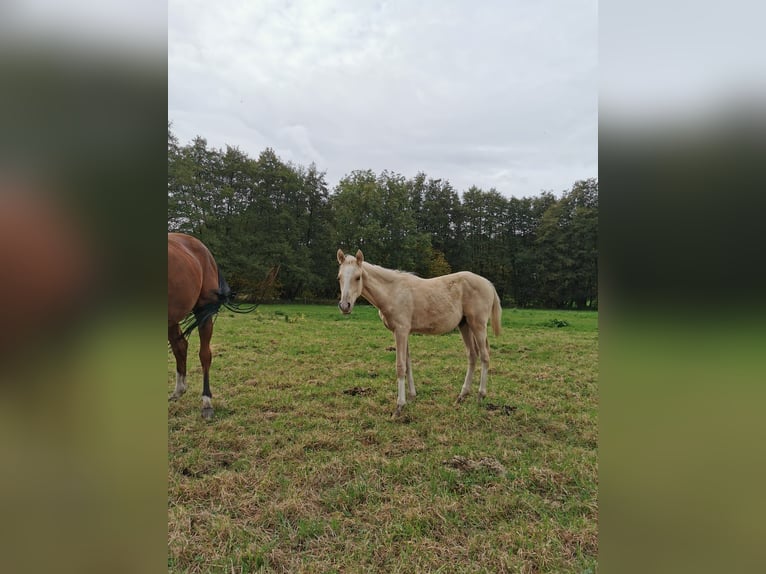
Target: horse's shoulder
x=382 y=316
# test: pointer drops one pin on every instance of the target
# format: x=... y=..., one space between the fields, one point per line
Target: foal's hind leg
x=179 y=345
x=206 y=357
x=410 y=380
x=484 y=348
x=470 y=347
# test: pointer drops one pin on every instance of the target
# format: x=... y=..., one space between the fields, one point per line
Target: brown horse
x=408 y=304
x=195 y=285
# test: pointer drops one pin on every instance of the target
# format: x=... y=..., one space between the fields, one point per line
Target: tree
x=484 y=212
x=255 y=214
x=357 y=203
x=437 y=217
x=406 y=247
x=567 y=244
x=438 y=265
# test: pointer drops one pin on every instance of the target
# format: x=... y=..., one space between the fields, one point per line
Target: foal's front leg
x=410 y=380
x=401 y=337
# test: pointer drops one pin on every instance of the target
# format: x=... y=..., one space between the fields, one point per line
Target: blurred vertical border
x=682 y=156
x=83 y=418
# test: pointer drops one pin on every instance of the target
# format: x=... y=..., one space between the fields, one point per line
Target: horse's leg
x=483 y=341
x=470 y=347
x=410 y=380
x=206 y=357
x=179 y=345
x=401 y=337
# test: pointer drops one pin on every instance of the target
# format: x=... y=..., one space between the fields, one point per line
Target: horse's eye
x=358 y=278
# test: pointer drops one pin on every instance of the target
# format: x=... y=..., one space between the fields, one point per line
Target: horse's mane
x=412 y=273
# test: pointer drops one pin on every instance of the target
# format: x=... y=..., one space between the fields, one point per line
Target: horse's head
x=350 y=279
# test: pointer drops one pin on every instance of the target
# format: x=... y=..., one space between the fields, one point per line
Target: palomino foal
x=408 y=304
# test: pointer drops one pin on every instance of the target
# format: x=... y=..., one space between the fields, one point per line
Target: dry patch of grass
x=303 y=470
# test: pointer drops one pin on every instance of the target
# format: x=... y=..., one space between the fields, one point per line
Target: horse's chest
x=383 y=318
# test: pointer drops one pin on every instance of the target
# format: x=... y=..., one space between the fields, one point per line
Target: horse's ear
x=359 y=257
x=341 y=256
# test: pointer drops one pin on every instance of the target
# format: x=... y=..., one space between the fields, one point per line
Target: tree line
x=255 y=214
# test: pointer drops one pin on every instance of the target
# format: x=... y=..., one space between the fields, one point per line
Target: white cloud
x=496 y=94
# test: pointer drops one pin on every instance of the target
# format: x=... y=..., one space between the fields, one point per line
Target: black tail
x=226 y=296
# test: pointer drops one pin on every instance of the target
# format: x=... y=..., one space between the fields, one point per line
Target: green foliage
x=438 y=265
x=567 y=243
x=257 y=214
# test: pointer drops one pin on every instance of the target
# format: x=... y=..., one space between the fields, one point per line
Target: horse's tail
x=226 y=297
x=497 y=312
x=203 y=314
x=199 y=317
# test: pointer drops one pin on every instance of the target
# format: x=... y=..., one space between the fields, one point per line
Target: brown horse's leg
x=473 y=352
x=179 y=345
x=206 y=357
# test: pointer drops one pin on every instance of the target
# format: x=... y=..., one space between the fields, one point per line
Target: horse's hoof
x=482 y=397
x=207 y=413
x=397 y=412
x=460 y=399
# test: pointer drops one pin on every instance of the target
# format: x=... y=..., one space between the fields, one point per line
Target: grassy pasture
x=295 y=475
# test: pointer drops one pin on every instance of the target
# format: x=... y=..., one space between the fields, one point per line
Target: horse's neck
x=378 y=284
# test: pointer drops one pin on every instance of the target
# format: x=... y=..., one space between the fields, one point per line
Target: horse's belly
x=438 y=324
x=439 y=329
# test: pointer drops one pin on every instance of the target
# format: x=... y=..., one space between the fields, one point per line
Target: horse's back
x=470 y=283
x=477 y=291
x=439 y=304
x=180 y=242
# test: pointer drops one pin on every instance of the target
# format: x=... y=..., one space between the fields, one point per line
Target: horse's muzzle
x=344 y=307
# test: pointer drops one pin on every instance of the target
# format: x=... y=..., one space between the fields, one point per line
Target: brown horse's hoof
x=207 y=413
x=397 y=412
x=460 y=399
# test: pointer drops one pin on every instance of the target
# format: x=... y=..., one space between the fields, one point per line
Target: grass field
x=302 y=468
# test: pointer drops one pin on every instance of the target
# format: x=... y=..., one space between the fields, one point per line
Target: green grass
x=294 y=475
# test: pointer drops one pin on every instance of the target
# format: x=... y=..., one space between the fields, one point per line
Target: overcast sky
x=499 y=94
